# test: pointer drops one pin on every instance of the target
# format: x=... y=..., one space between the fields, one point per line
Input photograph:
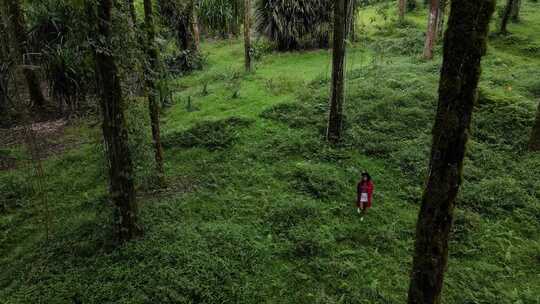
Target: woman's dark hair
x=365 y=174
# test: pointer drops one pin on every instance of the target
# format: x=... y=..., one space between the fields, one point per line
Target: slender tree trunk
x=440 y=23
x=351 y=20
x=402 y=5
x=195 y=27
x=17 y=27
x=237 y=17
x=247 y=34
x=335 y=119
x=464 y=46
x=534 y=142
x=515 y=10
x=153 y=101
x=4 y=70
x=115 y=133
x=431 y=29
x=506 y=16
x=132 y=11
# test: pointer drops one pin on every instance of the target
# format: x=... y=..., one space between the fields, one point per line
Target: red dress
x=365 y=187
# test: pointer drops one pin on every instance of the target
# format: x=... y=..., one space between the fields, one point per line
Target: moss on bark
x=464 y=46
x=115 y=133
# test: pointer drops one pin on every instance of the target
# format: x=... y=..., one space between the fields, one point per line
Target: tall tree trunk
x=132 y=11
x=402 y=5
x=17 y=27
x=351 y=20
x=195 y=26
x=464 y=46
x=152 y=74
x=440 y=23
x=516 y=10
x=4 y=67
x=247 y=34
x=335 y=119
x=237 y=17
x=534 y=142
x=115 y=133
x=506 y=16
x=431 y=32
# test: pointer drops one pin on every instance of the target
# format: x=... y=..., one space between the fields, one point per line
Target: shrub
x=295 y=24
x=319 y=181
x=502 y=124
x=495 y=196
x=212 y=135
x=285 y=218
x=140 y=142
x=308 y=241
x=13 y=190
x=465 y=225
x=295 y=115
x=221 y=17
x=184 y=62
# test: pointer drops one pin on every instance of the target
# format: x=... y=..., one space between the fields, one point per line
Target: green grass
x=261 y=210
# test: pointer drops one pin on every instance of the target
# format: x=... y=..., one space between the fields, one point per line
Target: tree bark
x=506 y=16
x=440 y=21
x=534 y=142
x=464 y=46
x=132 y=11
x=335 y=119
x=402 y=4
x=195 y=27
x=153 y=101
x=4 y=70
x=17 y=27
x=431 y=32
x=516 y=10
x=247 y=34
x=351 y=20
x=115 y=133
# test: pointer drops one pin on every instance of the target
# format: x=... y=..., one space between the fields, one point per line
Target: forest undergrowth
x=259 y=209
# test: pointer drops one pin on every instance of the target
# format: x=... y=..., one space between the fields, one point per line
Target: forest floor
x=261 y=210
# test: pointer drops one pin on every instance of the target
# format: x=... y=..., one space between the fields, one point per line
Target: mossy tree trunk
x=442 y=13
x=195 y=26
x=115 y=133
x=151 y=76
x=132 y=11
x=351 y=20
x=534 y=142
x=516 y=10
x=247 y=34
x=506 y=16
x=335 y=119
x=401 y=6
x=17 y=27
x=464 y=46
x=431 y=33
x=4 y=59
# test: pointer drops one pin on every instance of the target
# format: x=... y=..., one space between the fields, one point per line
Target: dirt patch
x=48 y=137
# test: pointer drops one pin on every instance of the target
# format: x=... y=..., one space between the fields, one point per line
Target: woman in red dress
x=365 y=194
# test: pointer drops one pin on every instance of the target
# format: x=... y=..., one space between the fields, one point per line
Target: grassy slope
x=270 y=218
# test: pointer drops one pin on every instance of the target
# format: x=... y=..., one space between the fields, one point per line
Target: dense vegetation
x=259 y=208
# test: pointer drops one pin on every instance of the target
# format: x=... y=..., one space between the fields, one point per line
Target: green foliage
x=212 y=135
x=184 y=62
x=319 y=181
x=496 y=196
x=263 y=212
x=140 y=143
x=221 y=17
x=14 y=189
x=295 y=24
x=503 y=124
